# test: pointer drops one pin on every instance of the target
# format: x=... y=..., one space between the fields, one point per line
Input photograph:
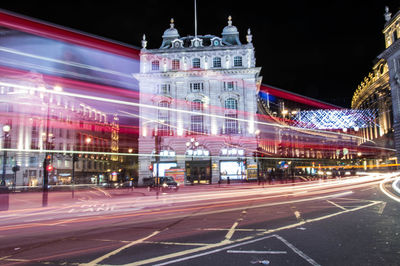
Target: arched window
x=197 y=120
x=155 y=65
x=217 y=62
x=197 y=105
x=237 y=61
x=196 y=62
x=175 y=64
x=163 y=119
x=231 y=103
x=231 y=125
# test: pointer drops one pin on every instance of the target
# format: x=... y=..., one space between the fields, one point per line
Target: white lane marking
x=106 y=256
x=297 y=251
x=383 y=205
x=256 y=252
x=337 y=205
x=208 y=252
x=386 y=192
x=395 y=186
x=219 y=244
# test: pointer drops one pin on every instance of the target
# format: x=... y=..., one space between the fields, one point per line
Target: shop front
x=197 y=163
x=232 y=164
x=165 y=160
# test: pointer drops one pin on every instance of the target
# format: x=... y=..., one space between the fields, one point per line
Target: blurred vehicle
x=167 y=183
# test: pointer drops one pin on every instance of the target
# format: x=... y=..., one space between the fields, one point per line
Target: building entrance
x=198 y=172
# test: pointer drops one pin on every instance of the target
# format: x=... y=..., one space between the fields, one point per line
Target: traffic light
x=151 y=167
x=50 y=168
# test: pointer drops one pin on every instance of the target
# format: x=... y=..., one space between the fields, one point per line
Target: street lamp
x=4 y=200
x=192 y=146
x=6 y=131
x=257 y=132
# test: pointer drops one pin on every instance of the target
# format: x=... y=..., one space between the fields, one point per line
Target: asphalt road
x=354 y=221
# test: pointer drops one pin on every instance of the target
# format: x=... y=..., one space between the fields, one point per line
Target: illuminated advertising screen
x=163 y=167
x=234 y=169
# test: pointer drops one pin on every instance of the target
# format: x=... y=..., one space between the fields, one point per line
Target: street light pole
x=4 y=199
x=257 y=155
x=6 y=130
x=46 y=161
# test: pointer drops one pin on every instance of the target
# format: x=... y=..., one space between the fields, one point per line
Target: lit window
x=196 y=125
x=196 y=62
x=229 y=86
x=155 y=65
x=163 y=118
x=217 y=62
x=197 y=105
x=196 y=87
x=164 y=89
x=231 y=104
x=231 y=124
x=175 y=64
x=237 y=61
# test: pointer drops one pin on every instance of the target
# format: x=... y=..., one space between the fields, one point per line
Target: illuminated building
x=375 y=94
x=44 y=122
x=198 y=105
x=391 y=55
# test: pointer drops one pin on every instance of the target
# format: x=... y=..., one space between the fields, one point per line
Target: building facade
x=391 y=55
x=43 y=122
x=197 y=105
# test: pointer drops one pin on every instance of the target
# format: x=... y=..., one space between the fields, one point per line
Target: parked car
x=167 y=183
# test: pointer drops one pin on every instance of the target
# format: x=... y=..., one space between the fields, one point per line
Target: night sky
x=319 y=49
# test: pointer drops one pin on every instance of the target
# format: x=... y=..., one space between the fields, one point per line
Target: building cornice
x=390 y=50
x=196 y=49
x=200 y=73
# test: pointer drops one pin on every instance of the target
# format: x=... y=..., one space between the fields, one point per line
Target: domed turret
x=169 y=35
x=230 y=34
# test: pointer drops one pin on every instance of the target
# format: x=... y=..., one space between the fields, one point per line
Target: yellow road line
x=225 y=241
x=106 y=256
x=337 y=205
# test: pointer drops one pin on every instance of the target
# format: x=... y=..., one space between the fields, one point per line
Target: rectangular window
x=164 y=89
x=217 y=62
x=196 y=62
x=229 y=85
x=196 y=87
x=231 y=124
x=196 y=125
x=237 y=61
x=155 y=65
x=33 y=161
x=175 y=64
